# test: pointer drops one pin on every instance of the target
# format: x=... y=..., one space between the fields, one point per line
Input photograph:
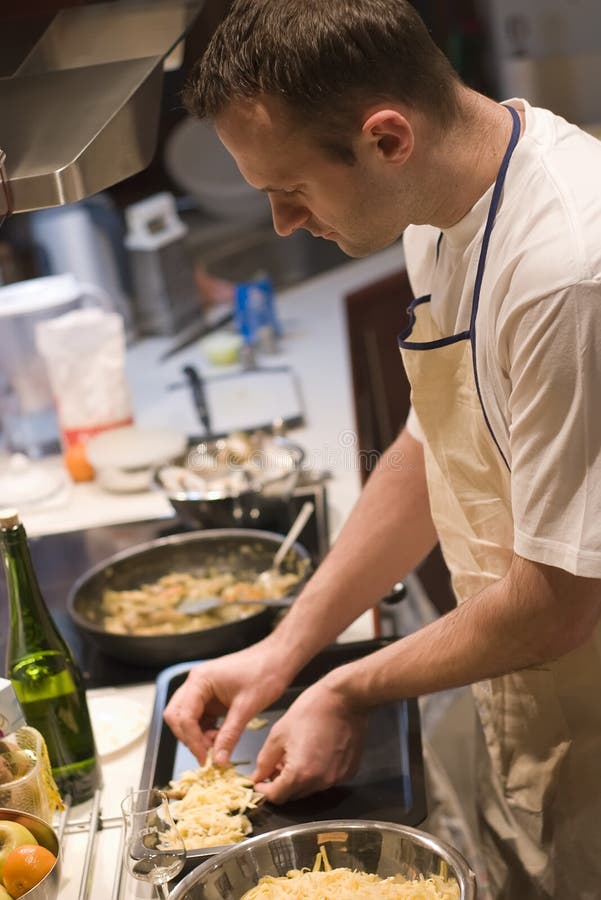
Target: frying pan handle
x=398 y=593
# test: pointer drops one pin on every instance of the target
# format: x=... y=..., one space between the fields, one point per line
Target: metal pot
x=47 y=888
x=238 y=550
x=250 y=498
x=382 y=848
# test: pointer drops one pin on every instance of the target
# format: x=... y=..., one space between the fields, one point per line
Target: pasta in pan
x=153 y=608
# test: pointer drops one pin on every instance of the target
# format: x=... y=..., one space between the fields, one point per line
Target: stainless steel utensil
x=248 y=499
x=194 y=606
x=381 y=848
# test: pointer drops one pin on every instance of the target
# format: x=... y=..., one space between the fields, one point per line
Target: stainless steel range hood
x=81 y=111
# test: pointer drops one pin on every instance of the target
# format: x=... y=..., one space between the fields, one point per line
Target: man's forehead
x=262 y=140
x=254 y=117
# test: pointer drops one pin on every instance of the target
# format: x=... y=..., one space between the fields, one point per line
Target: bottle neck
x=31 y=625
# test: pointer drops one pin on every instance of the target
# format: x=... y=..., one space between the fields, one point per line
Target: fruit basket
x=26 y=781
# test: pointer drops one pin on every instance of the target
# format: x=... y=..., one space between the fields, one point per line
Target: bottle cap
x=9 y=518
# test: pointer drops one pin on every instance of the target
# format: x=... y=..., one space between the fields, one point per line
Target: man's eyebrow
x=268 y=189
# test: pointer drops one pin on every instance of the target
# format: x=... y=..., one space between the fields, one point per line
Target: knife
x=194 y=332
x=199 y=396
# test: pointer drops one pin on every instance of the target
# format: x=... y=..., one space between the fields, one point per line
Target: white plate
x=117 y=723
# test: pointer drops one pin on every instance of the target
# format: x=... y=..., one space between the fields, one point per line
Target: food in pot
x=346 y=884
x=231 y=467
x=152 y=609
x=211 y=804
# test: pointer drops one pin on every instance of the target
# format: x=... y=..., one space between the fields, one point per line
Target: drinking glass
x=153 y=848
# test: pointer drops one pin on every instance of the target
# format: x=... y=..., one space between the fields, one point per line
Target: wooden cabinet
x=375 y=316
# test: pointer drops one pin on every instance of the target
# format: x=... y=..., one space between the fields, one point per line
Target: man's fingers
x=228 y=735
x=182 y=714
x=287 y=785
x=269 y=760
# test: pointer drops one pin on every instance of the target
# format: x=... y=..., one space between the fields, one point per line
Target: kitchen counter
x=315 y=347
x=121 y=773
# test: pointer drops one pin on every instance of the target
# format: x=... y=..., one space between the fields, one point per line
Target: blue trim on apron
x=470 y=335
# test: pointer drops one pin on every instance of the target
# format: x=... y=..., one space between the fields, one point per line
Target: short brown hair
x=324 y=56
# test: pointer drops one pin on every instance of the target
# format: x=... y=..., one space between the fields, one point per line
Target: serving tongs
x=194 y=606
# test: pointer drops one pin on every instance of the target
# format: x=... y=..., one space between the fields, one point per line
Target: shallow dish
x=125 y=458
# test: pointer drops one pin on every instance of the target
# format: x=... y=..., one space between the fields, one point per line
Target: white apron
x=540 y=787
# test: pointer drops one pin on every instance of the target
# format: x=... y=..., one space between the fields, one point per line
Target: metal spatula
x=194 y=606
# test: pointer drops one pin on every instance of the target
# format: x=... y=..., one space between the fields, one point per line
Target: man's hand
x=316 y=744
x=238 y=685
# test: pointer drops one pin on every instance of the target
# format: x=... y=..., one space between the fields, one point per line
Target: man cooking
x=355 y=125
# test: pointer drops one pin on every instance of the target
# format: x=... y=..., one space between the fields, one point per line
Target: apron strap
x=492 y=212
x=490 y=221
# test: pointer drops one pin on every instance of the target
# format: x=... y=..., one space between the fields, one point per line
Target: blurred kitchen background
x=548 y=51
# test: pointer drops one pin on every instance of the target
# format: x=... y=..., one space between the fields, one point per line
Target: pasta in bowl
x=334 y=859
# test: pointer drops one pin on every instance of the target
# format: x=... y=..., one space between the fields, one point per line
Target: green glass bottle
x=43 y=672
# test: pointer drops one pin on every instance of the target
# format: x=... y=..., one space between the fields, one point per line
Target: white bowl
x=125 y=458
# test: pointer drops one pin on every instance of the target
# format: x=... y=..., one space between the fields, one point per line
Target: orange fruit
x=76 y=461
x=24 y=867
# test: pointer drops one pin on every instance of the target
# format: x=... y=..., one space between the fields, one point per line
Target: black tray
x=388 y=787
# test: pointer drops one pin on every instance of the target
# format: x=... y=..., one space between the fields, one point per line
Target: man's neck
x=461 y=166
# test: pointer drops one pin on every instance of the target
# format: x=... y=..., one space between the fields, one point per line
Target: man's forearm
x=524 y=619
x=387 y=535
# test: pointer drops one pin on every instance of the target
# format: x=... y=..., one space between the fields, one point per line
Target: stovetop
x=60 y=559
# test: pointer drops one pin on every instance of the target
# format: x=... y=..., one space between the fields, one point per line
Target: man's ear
x=390 y=134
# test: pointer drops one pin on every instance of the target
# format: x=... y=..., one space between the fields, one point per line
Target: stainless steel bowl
x=241 y=490
x=382 y=848
x=47 y=888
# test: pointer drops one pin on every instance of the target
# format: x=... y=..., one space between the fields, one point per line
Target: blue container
x=255 y=310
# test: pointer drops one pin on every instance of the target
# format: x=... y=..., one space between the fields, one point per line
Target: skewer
x=84 y=886
x=60 y=831
x=119 y=869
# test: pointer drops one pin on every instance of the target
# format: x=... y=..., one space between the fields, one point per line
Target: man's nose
x=288 y=215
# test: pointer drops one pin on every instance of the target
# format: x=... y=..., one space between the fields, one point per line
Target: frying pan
x=241 y=551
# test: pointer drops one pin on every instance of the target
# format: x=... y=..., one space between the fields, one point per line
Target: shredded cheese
x=211 y=804
x=346 y=884
x=256 y=724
